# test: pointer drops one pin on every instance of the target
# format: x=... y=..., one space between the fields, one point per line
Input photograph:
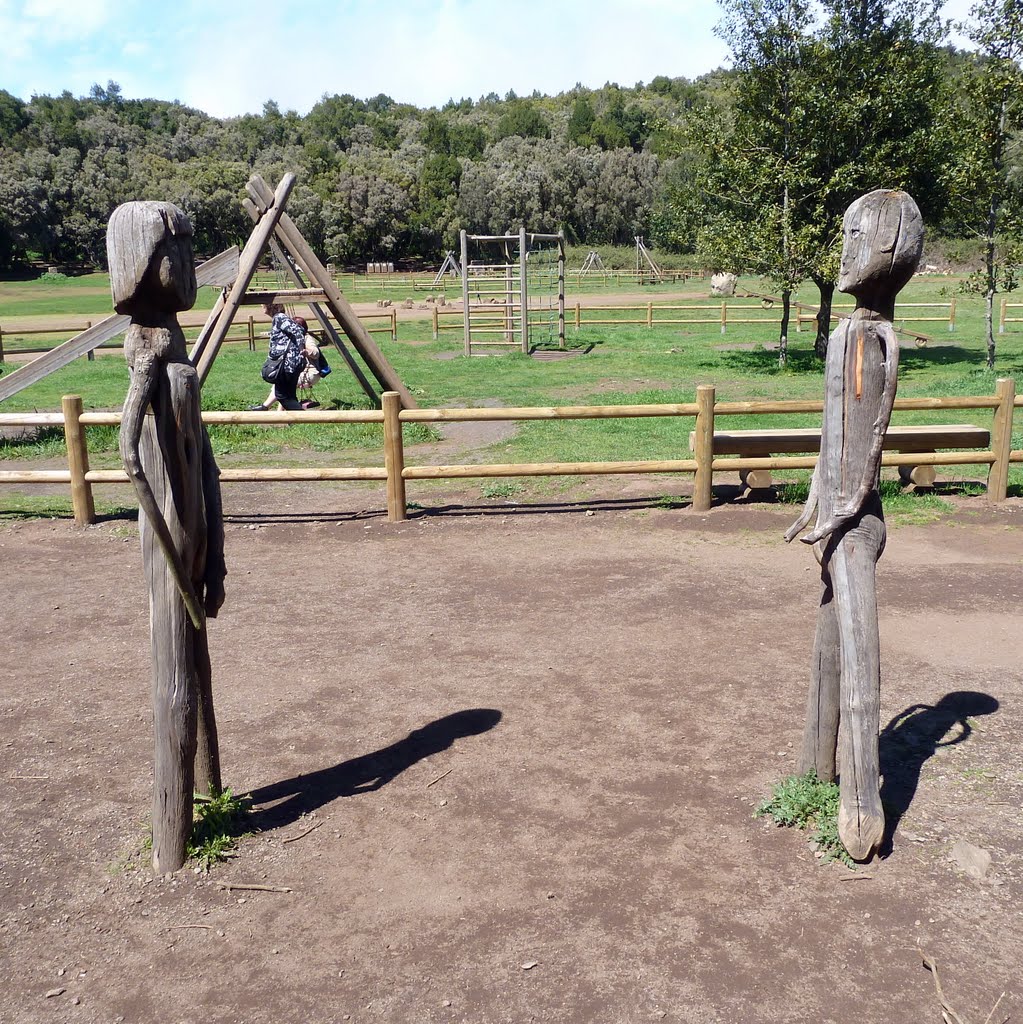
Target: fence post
x=91 y=355
x=252 y=334
x=952 y=314
x=436 y=324
x=1001 y=439
x=394 y=324
x=724 y=315
x=703 y=482
x=577 y=305
x=1 y=344
x=77 y=461
x=649 y=314
x=394 y=457
x=1001 y=318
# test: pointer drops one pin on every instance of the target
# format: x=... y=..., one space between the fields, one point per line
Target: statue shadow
x=291 y=798
x=912 y=737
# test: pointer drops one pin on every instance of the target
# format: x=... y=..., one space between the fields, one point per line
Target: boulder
x=723 y=285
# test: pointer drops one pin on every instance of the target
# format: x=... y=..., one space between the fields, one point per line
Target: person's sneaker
x=310 y=404
x=257 y=408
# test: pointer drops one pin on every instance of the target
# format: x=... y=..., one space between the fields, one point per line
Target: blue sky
x=227 y=57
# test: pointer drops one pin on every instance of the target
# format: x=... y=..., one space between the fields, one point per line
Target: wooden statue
x=882 y=241
x=169 y=460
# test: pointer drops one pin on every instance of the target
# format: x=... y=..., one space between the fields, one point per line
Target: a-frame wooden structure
x=314 y=287
x=234 y=271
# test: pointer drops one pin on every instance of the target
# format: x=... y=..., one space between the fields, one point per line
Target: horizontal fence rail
x=249 y=330
x=703 y=464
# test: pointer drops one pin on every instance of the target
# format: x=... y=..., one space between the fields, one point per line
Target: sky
x=227 y=57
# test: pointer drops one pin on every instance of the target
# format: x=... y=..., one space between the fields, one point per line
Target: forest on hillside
x=747 y=168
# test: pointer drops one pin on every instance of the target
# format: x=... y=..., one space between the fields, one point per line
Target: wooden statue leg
x=174 y=712
x=207 y=752
x=175 y=691
x=860 y=815
x=820 y=733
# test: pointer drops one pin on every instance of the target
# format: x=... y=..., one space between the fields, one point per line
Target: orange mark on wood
x=859 y=364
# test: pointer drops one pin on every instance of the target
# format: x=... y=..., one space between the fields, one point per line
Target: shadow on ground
x=291 y=798
x=912 y=737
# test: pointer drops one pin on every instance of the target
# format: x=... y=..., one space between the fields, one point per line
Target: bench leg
x=920 y=476
x=755 y=479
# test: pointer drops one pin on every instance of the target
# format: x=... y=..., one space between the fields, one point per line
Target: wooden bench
x=798 y=440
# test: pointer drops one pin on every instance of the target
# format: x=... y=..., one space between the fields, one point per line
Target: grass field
x=614 y=364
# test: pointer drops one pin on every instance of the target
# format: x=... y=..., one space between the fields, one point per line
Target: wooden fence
x=244 y=331
x=1004 y=318
x=395 y=473
x=723 y=313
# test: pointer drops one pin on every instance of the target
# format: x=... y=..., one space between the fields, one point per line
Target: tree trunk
x=783 y=338
x=827 y=292
x=989 y=300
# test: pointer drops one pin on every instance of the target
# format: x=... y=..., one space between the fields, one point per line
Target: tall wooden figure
x=169 y=460
x=882 y=241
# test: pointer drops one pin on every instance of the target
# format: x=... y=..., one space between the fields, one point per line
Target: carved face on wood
x=149 y=248
x=882 y=238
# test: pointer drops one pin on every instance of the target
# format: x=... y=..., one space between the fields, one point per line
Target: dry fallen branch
x=205 y=927
x=294 y=839
x=444 y=775
x=252 y=886
x=948 y=1015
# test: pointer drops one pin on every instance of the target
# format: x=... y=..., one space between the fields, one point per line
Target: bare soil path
x=534 y=742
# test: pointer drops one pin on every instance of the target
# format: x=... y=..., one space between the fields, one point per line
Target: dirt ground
x=530 y=742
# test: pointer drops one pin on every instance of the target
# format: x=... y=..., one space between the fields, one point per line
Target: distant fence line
x=395 y=473
x=722 y=313
x=241 y=331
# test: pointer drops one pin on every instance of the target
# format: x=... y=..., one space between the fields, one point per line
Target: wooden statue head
x=149 y=249
x=882 y=239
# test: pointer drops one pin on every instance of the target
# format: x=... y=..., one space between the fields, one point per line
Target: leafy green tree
x=580 y=124
x=756 y=170
x=522 y=118
x=986 y=194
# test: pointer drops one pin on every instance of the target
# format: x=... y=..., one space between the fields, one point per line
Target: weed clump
x=806 y=802
x=219 y=824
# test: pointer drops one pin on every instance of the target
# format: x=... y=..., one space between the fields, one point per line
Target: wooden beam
x=283 y=296
x=282 y=259
x=206 y=348
x=292 y=238
x=206 y=274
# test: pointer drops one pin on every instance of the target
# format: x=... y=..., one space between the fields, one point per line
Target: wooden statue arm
x=140 y=392
x=872 y=463
x=807 y=514
x=216 y=568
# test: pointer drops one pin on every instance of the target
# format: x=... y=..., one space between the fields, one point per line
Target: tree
x=756 y=177
x=874 y=92
x=986 y=199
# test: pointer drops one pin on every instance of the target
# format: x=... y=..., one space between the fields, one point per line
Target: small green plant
x=805 y=802
x=219 y=824
x=669 y=501
x=499 y=490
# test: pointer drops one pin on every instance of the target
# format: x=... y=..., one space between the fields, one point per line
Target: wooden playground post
x=394 y=457
x=523 y=292
x=464 y=241
x=704 y=454
x=252 y=333
x=561 y=289
x=436 y=323
x=78 y=461
x=1001 y=439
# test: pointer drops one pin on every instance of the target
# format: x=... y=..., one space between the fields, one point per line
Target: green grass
x=220 y=821
x=807 y=803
